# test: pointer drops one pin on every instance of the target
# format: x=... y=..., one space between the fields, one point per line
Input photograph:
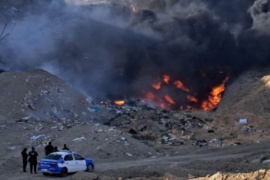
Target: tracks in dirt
x=117 y=167
x=205 y=155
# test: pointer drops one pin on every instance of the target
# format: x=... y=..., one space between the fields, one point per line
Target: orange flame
x=156 y=85
x=215 y=96
x=181 y=86
x=150 y=97
x=166 y=101
x=119 y=102
x=169 y=99
x=192 y=99
x=166 y=79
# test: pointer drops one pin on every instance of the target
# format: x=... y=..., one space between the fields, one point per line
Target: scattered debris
x=243 y=121
x=36 y=137
x=201 y=143
x=79 y=139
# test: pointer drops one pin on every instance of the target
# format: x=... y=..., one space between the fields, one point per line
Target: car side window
x=78 y=157
x=68 y=157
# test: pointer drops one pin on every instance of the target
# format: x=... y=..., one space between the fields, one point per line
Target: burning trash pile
x=41 y=96
x=154 y=125
x=160 y=97
x=179 y=55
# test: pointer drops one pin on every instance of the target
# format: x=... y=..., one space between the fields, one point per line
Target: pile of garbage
x=146 y=122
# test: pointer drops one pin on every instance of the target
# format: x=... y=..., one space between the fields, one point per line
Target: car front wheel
x=90 y=168
x=64 y=172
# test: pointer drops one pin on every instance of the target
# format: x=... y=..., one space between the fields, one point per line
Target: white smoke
x=260 y=13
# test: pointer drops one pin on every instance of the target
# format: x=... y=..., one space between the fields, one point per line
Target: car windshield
x=53 y=156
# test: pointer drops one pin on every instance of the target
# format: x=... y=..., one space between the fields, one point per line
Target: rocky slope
x=40 y=95
x=38 y=107
x=246 y=98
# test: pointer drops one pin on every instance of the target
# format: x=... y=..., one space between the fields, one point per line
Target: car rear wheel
x=64 y=172
x=45 y=174
x=90 y=168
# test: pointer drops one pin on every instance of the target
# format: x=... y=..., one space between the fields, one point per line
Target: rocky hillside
x=248 y=93
x=247 y=98
x=40 y=95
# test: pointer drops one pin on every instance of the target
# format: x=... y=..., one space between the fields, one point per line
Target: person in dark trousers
x=65 y=147
x=33 y=160
x=49 y=148
x=24 y=156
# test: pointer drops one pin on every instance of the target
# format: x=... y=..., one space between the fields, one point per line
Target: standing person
x=33 y=160
x=65 y=147
x=24 y=156
x=49 y=148
x=55 y=149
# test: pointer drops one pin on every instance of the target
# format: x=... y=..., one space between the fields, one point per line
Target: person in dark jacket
x=55 y=149
x=33 y=160
x=24 y=157
x=49 y=148
x=65 y=147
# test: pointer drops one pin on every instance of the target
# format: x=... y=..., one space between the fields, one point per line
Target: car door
x=70 y=163
x=80 y=162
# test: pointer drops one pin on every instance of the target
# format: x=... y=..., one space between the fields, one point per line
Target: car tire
x=64 y=172
x=46 y=174
x=90 y=168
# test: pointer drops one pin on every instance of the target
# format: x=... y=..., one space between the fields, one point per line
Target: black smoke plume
x=110 y=52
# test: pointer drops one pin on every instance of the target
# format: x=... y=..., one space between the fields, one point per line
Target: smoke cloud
x=110 y=52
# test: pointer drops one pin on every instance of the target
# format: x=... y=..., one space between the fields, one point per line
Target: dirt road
x=197 y=163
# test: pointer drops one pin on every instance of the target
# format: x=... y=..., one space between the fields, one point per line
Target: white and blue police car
x=64 y=162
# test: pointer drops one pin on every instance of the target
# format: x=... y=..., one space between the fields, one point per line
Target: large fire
x=183 y=97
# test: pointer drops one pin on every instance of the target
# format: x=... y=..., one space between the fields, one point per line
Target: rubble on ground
x=259 y=175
